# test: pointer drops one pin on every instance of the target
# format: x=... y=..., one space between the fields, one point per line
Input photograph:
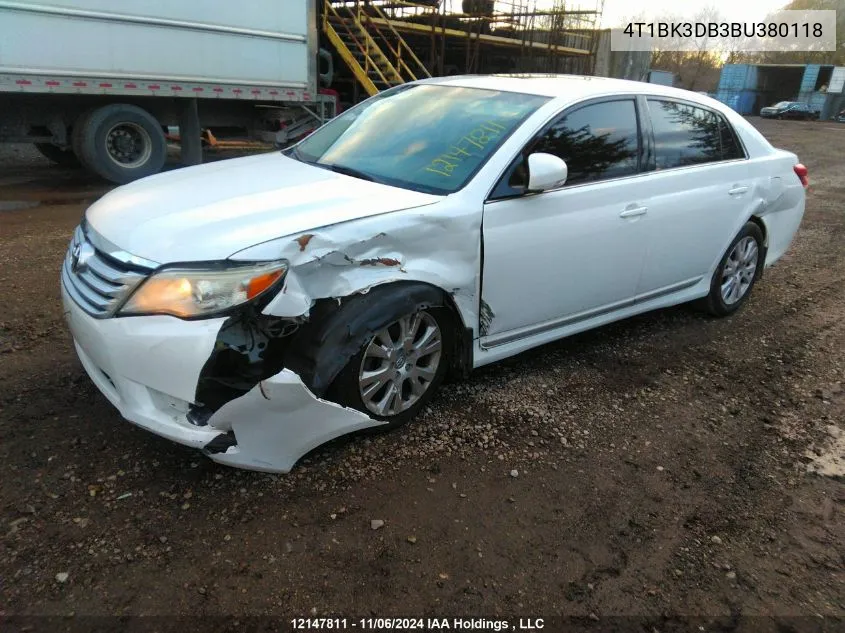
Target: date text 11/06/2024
x=416 y=624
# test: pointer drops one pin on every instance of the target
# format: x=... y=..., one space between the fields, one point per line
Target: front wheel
x=399 y=368
x=738 y=270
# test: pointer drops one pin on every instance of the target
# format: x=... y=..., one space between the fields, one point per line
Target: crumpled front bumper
x=148 y=367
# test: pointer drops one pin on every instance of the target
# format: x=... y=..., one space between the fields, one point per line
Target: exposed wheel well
x=759 y=222
x=337 y=328
x=252 y=346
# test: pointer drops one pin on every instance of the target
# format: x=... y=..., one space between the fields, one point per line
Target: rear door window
x=684 y=135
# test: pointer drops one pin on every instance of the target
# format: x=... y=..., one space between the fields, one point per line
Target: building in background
x=633 y=65
x=381 y=43
x=749 y=87
x=662 y=77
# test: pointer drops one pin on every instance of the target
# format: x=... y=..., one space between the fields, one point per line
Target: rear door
x=700 y=188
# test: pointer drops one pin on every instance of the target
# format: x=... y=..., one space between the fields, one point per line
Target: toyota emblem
x=79 y=257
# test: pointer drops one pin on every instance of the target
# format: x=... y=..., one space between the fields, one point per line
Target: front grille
x=100 y=283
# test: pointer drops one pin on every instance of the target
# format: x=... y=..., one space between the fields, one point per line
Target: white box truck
x=99 y=82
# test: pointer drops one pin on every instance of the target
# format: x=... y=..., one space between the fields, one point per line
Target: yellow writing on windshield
x=466 y=148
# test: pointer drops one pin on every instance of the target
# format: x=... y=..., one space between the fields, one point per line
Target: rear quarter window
x=687 y=135
x=731 y=146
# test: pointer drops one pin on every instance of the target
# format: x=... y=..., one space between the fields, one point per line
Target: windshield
x=427 y=137
x=782 y=104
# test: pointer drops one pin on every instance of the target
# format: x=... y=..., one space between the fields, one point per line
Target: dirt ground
x=670 y=465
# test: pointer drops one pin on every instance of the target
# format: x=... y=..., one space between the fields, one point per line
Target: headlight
x=192 y=292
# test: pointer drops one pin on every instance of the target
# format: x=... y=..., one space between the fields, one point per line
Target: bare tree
x=836 y=57
x=696 y=69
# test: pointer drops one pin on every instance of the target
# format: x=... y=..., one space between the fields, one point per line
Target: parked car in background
x=258 y=307
x=840 y=117
x=790 y=110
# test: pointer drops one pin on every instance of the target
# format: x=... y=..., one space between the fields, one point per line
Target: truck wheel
x=58 y=155
x=120 y=142
x=76 y=138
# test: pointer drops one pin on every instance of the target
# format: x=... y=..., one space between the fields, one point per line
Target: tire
x=745 y=257
x=435 y=334
x=76 y=138
x=120 y=142
x=58 y=155
x=404 y=404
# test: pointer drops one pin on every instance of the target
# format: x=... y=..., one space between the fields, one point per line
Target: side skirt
x=505 y=344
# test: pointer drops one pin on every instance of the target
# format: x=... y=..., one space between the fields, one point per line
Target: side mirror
x=545 y=172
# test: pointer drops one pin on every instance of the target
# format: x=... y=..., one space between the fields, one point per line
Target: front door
x=572 y=253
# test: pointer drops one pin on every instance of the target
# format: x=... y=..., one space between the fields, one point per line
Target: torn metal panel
x=438 y=245
x=485 y=318
x=337 y=331
x=249 y=347
x=279 y=421
x=438 y=248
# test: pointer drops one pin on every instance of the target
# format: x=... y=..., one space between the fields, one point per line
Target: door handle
x=633 y=212
x=737 y=191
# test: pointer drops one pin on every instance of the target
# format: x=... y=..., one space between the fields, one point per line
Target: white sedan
x=256 y=308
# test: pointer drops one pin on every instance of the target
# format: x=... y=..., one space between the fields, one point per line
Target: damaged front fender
x=439 y=245
x=266 y=384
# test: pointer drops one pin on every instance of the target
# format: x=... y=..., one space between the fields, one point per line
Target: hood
x=211 y=211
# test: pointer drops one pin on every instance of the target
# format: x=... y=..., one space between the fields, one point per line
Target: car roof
x=570 y=87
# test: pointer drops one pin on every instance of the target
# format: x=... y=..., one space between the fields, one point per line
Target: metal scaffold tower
x=387 y=42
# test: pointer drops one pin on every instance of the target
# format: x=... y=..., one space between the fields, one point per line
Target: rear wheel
x=120 y=142
x=738 y=270
x=63 y=157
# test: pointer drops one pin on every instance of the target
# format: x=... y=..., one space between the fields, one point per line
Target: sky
x=616 y=11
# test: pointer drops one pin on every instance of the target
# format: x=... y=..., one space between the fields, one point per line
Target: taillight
x=803 y=174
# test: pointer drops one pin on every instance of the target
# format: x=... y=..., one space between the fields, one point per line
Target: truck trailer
x=99 y=83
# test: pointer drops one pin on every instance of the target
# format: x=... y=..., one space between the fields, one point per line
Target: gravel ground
x=669 y=465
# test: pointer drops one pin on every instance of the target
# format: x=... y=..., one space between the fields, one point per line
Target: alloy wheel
x=739 y=270
x=400 y=364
